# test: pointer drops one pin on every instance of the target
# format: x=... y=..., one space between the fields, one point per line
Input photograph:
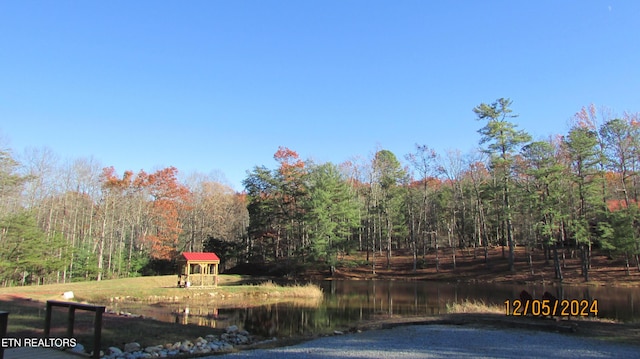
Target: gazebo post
x=216 y=273
x=186 y=280
x=203 y=270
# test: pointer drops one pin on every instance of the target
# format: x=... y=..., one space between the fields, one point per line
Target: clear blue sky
x=219 y=85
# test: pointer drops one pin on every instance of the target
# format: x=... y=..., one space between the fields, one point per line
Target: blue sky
x=219 y=85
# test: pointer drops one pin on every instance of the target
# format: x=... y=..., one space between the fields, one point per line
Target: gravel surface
x=442 y=341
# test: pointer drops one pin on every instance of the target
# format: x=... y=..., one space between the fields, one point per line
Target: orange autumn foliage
x=618 y=204
x=290 y=162
x=166 y=198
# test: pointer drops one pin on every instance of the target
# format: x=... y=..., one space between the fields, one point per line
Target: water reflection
x=347 y=302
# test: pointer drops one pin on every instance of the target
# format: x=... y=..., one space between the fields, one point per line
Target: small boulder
x=131 y=347
x=153 y=349
x=114 y=351
x=201 y=341
x=241 y=339
x=186 y=347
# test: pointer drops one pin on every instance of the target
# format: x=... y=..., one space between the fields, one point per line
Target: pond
x=347 y=302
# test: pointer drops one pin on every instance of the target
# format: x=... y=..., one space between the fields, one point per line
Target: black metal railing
x=97 y=325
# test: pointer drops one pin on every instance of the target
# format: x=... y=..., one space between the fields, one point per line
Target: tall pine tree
x=503 y=140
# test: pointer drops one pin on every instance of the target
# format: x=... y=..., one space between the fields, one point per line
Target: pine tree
x=332 y=213
x=503 y=140
x=582 y=146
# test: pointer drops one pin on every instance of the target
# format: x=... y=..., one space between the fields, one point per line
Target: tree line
x=79 y=221
x=565 y=195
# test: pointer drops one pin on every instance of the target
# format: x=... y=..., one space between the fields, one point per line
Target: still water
x=348 y=302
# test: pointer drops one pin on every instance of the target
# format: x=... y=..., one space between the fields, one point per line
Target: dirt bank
x=470 y=267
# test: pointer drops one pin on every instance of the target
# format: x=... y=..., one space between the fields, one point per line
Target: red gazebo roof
x=200 y=256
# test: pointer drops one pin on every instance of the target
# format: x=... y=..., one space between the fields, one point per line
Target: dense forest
x=565 y=195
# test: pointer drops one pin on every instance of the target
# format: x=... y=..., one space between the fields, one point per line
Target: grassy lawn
x=161 y=288
x=27 y=306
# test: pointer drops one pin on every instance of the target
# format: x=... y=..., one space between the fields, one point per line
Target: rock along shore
x=225 y=342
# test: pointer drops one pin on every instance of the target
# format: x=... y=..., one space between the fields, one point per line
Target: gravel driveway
x=442 y=341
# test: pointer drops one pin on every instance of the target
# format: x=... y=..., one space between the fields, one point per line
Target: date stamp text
x=553 y=308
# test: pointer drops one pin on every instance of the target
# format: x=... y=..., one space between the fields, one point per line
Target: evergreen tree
x=332 y=213
x=26 y=254
x=503 y=140
x=265 y=215
x=545 y=195
x=582 y=146
x=622 y=235
x=388 y=174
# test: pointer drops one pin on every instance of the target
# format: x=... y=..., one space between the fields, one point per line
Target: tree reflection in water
x=348 y=302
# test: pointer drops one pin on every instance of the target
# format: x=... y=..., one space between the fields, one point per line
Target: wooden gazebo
x=198 y=269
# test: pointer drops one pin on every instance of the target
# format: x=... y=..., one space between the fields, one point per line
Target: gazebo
x=198 y=269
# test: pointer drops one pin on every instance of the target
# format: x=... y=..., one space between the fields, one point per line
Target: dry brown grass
x=162 y=289
x=474 y=306
x=295 y=291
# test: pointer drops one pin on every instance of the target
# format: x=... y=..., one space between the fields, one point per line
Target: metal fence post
x=4 y=321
